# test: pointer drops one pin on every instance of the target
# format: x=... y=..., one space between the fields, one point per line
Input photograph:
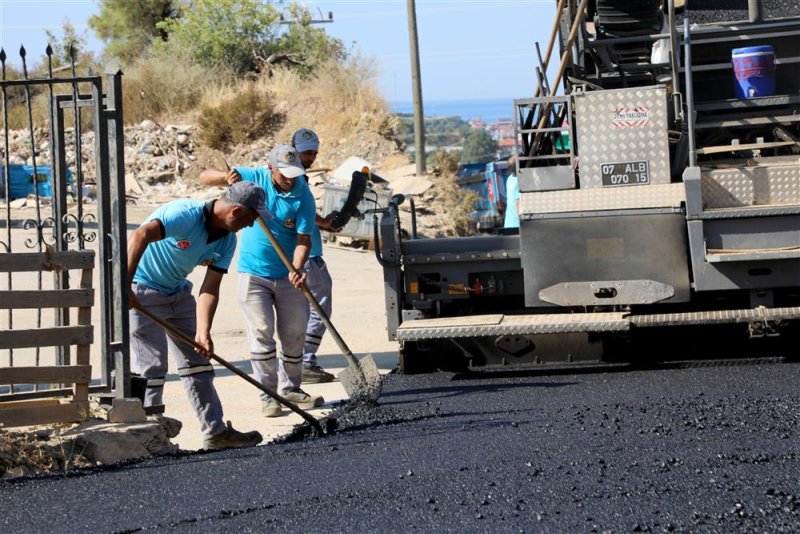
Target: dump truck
x=670 y=220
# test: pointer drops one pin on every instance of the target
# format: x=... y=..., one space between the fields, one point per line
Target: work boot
x=302 y=399
x=232 y=439
x=316 y=375
x=271 y=408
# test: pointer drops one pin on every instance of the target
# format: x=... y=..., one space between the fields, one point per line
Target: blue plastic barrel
x=754 y=67
x=21 y=181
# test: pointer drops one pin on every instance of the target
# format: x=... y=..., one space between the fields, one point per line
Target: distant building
x=502 y=129
x=478 y=124
x=505 y=147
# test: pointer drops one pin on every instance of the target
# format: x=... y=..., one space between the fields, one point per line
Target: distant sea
x=486 y=109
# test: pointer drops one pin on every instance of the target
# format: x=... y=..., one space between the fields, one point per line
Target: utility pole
x=416 y=82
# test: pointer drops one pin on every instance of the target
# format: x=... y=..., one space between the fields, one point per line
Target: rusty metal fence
x=58 y=198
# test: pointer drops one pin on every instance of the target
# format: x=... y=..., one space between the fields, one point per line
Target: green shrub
x=245 y=116
x=164 y=83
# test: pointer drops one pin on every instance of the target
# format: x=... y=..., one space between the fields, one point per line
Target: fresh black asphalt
x=698 y=449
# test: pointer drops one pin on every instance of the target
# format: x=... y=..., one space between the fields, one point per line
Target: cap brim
x=305 y=147
x=292 y=172
x=265 y=214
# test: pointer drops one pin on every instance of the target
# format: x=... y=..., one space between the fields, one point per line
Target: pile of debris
x=163 y=163
x=95 y=442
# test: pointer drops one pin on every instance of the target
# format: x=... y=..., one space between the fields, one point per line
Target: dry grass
x=339 y=102
x=23 y=454
x=448 y=199
x=340 y=96
x=161 y=85
x=245 y=114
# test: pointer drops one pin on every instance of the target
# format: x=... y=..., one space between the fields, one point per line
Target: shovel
x=189 y=341
x=362 y=379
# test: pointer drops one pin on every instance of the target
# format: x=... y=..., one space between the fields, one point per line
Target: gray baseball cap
x=285 y=159
x=305 y=139
x=249 y=195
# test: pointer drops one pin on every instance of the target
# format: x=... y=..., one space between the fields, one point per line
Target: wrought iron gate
x=78 y=204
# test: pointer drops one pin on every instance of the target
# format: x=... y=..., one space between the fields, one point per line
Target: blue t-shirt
x=293 y=213
x=316 y=243
x=165 y=264
x=512 y=196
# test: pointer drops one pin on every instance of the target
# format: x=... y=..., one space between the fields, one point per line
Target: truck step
x=562 y=323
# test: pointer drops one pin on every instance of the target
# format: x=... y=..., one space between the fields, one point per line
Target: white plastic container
x=336 y=195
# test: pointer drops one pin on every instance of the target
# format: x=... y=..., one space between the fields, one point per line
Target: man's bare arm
x=219 y=177
x=207 y=301
x=299 y=259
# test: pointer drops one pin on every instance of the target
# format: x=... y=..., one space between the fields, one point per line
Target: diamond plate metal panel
x=509 y=325
x=620 y=126
x=716 y=317
x=613 y=198
x=557 y=323
x=751 y=186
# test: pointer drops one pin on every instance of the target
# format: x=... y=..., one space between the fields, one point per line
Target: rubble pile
x=163 y=163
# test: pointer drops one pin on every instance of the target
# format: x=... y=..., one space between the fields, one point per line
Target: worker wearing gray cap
x=169 y=244
x=268 y=293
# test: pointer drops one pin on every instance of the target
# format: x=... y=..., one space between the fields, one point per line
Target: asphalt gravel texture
x=710 y=11
x=709 y=448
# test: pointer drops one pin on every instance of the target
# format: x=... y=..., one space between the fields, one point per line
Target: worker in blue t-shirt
x=162 y=252
x=512 y=197
x=319 y=279
x=268 y=293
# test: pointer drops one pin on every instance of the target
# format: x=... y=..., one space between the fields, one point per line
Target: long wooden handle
x=351 y=359
x=189 y=341
x=348 y=354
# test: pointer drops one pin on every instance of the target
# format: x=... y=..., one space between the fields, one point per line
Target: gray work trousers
x=149 y=349
x=320 y=284
x=270 y=306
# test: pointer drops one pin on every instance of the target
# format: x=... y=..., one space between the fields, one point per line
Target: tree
x=479 y=147
x=308 y=44
x=61 y=45
x=130 y=26
x=232 y=33
x=244 y=35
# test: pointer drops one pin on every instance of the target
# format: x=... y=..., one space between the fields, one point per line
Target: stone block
x=127 y=410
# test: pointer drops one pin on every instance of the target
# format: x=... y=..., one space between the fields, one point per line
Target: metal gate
x=73 y=202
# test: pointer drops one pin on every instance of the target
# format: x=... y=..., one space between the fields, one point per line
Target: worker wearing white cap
x=319 y=282
x=268 y=293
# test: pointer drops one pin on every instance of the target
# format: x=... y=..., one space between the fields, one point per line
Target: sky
x=469 y=49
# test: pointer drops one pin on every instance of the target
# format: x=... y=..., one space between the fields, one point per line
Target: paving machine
x=670 y=216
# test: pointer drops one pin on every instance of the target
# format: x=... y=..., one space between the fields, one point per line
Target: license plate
x=625 y=173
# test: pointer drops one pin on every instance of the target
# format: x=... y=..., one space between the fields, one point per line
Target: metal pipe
x=677 y=105
x=687 y=60
x=756 y=11
x=413 y=217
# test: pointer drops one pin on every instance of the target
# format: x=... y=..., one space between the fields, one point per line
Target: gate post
x=109 y=154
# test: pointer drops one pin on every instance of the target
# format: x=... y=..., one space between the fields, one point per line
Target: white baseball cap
x=285 y=159
x=305 y=139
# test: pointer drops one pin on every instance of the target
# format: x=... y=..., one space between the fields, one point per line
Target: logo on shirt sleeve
x=212 y=260
x=289 y=223
x=183 y=244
